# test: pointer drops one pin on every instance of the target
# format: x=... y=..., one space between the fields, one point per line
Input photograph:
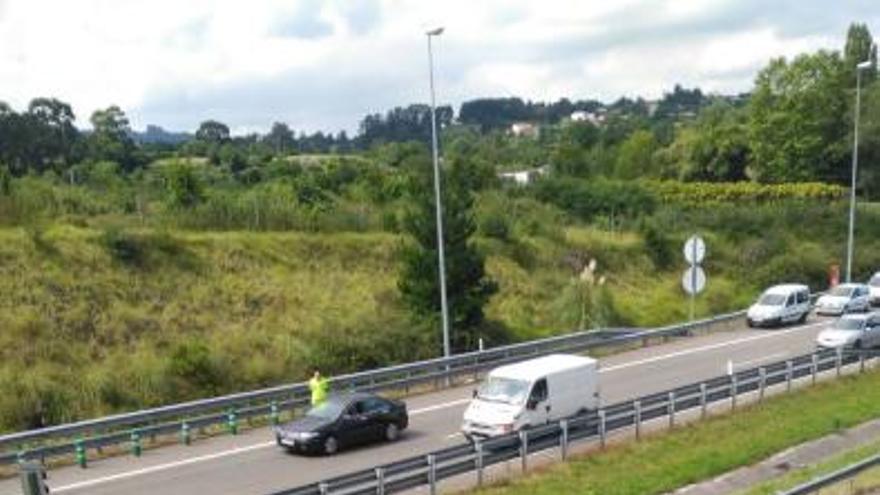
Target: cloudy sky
x=323 y=64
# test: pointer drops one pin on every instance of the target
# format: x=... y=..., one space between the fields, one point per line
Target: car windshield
x=848 y=324
x=772 y=300
x=329 y=409
x=875 y=280
x=841 y=291
x=505 y=390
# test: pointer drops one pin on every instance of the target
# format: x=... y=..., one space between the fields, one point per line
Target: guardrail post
x=432 y=474
x=563 y=439
x=323 y=488
x=763 y=383
x=637 y=418
x=602 y=431
x=232 y=422
x=839 y=361
x=815 y=367
x=734 y=391
x=185 y=436
x=136 y=447
x=19 y=457
x=789 y=374
x=273 y=413
x=524 y=449
x=80 y=448
x=478 y=460
x=380 y=481
x=670 y=407
x=703 y=400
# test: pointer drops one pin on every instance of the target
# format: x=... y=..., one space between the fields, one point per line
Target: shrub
x=707 y=193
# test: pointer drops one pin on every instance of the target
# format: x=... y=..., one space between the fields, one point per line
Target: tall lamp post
x=855 y=166
x=440 y=255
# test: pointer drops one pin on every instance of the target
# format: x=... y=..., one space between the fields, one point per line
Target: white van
x=780 y=304
x=532 y=393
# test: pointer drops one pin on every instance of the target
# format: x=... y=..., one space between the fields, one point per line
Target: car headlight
x=306 y=435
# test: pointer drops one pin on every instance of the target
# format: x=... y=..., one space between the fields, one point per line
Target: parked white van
x=874 y=285
x=532 y=393
x=780 y=304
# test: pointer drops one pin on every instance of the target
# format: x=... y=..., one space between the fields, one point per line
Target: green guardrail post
x=80 y=448
x=185 y=436
x=136 y=447
x=274 y=413
x=232 y=422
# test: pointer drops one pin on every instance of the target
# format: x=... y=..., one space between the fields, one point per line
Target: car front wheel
x=331 y=445
x=392 y=432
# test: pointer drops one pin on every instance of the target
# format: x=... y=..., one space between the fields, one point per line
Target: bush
x=708 y=193
x=587 y=199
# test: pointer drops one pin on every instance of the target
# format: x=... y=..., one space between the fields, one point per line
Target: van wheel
x=803 y=318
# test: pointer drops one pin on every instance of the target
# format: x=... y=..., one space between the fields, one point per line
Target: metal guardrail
x=835 y=477
x=429 y=469
x=118 y=429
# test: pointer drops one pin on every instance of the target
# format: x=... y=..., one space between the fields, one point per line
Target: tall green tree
x=111 y=137
x=797 y=120
x=213 y=132
x=468 y=286
x=859 y=48
x=635 y=157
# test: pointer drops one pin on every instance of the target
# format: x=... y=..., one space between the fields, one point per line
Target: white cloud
x=323 y=64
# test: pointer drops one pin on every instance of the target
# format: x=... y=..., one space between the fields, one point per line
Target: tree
x=110 y=139
x=797 y=120
x=635 y=157
x=212 y=132
x=281 y=138
x=56 y=122
x=859 y=48
x=468 y=286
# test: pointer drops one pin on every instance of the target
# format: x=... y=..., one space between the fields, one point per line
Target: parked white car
x=844 y=298
x=858 y=331
x=874 y=287
x=532 y=393
x=780 y=304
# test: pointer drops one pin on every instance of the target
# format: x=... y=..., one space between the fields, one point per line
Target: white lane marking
x=708 y=348
x=416 y=412
x=160 y=467
x=193 y=460
x=741 y=364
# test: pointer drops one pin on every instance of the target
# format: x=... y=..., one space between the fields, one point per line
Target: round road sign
x=694 y=250
x=694 y=280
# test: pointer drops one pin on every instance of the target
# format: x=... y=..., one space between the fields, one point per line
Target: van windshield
x=506 y=390
x=772 y=300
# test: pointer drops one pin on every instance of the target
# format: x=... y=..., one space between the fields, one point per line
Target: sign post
x=694 y=279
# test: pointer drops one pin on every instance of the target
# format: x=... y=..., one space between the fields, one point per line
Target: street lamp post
x=855 y=166
x=440 y=254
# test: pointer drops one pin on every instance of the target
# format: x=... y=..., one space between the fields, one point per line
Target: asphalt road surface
x=251 y=463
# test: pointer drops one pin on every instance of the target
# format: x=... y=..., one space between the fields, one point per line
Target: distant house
x=524 y=129
x=524 y=177
x=595 y=118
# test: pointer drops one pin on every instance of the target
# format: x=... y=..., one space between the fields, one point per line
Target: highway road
x=250 y=463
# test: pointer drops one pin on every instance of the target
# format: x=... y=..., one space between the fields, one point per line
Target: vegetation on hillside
x=138 y=274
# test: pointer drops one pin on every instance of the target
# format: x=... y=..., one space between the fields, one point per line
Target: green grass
x=702 y=450
x=794 y=478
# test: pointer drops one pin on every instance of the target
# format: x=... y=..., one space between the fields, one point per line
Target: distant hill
x=157 y=135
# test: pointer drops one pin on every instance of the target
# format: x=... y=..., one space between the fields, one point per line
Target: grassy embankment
x=668 y=460
x=96 y=320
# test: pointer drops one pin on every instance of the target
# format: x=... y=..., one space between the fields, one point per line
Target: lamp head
x=435 y=32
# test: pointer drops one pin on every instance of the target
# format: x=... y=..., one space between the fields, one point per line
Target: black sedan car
x=343 y=421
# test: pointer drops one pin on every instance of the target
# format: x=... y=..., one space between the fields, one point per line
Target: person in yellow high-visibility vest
x=319 y=386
